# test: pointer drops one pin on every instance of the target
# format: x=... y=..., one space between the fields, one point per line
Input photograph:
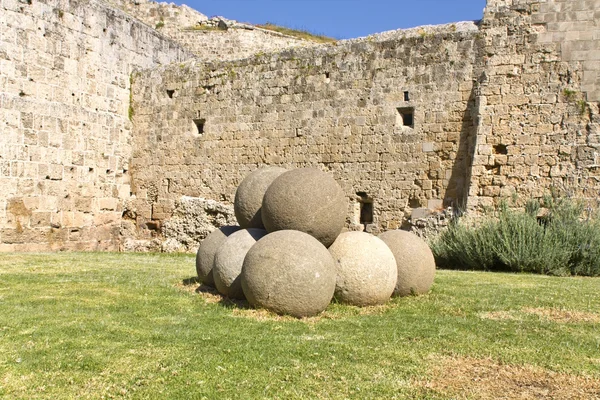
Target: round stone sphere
x=306 y=200
x=205 y=257
x=415 y=262
x=366 y=269
x=249 y=195
x=229 y=259
x=289 y=272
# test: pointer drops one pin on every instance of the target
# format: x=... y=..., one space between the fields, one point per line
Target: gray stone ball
x=229 y=259
x=249 y=196
x=289 y=272
x=366 y=269
x=306 y=200
x=415 y=262
x=205 y=257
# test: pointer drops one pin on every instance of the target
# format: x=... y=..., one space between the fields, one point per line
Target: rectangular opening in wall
x=406 y=96
x=405 y=117
x=366 y=209
x=200 y=124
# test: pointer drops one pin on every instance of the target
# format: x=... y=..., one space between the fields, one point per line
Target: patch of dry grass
x=297 y=33
x=473 y=378
x=557 y=315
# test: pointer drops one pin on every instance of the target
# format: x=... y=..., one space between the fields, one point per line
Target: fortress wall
x=166 y=17
x=196 y=33
x=233 y=43
x=539 y=120
x=200 y=128
x=573 y=25
x=65 y=136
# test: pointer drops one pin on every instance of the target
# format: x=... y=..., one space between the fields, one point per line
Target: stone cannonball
x=366 y=269
x=415 y=262
x=289 y=272
x=205 y=256
x=249 y=196
x=306 y=200
x=229 y=259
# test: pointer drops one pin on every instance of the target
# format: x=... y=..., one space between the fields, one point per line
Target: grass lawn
x=91 y=325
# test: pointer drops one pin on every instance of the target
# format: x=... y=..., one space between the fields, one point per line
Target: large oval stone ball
x=306 y=200
x=229 y=259
x=205 y=257
x=415 y=262
x=249 y=196
x=289 y=272
x=366 y=269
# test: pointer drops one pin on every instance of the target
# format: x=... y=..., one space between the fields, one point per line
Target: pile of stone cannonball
x=289 y=254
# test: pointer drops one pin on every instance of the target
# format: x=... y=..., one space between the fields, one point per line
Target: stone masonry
x=65 y=133
x=214 y=38
x=120 y=134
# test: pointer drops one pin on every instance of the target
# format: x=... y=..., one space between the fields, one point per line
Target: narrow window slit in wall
x=170 y=93
x=200 y=125
x=493 y=169
x=366 y=209
x=414 y=203
x=405 y=117
x=500 y=149
x=406 y=96
x=327 y=77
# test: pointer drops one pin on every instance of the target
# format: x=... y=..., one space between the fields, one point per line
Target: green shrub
x=564 y=242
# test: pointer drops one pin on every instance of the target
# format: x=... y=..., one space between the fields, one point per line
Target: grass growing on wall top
x=297 y=33
x=126 y=326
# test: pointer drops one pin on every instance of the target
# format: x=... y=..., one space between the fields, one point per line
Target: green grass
x=297 y=33
x=92 y=325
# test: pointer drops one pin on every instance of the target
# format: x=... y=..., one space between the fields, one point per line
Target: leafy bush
x=566 y=241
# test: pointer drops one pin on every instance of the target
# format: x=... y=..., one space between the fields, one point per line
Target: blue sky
x=343 y=19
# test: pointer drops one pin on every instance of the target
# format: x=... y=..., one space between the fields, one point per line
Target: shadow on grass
x=214 y=293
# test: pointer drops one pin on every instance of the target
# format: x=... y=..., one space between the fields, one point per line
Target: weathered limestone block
x=307 y=200
x=289 y=272
x=366 y=269
x=194 y=218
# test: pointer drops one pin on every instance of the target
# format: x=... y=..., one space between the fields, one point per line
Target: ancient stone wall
x=65 y=136
x=165 y=17
x=93 y=156
x=214 y=39
x=390 y=116
x=538 y=126
x=236 y=42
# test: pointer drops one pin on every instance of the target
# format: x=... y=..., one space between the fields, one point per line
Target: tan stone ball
x=229 y=259
x=289 y=272
x=249 y=195
x=205 y=257
x=306 y=200
x=366 y=269
x=415 y=262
